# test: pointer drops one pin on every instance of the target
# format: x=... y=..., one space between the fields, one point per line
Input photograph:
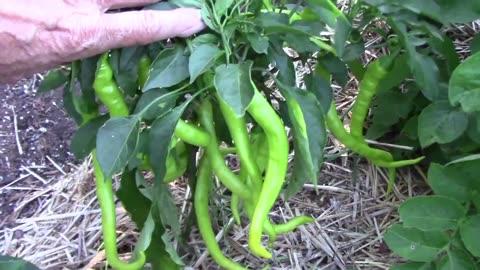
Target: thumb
x=132 y=28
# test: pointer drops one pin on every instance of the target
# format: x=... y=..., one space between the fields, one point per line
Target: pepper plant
x=179 y=107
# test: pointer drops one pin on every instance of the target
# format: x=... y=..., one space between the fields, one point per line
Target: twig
x=35 y=175
x=408 y=148
x=56 y=165
x=15 y=126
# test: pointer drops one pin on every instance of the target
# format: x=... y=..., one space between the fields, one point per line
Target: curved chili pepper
x=110 y=95
x=367 y=90
x=266 y=117
x=226 y=176
x=292 y=224
x=107 y=206
x=376 y=156
x=107 y=90
x=201 y=197
x=192 y=134
x=143 y=69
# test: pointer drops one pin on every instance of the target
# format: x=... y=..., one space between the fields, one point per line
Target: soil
x=35 y=135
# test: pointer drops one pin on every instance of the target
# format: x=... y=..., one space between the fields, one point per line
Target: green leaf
x=259 y=43
x=446 y=48
x=169 y=68
x=423 y=67
x=84 y=139
x=464 y=88
x=413 y=266
x=116 y=143
x=140 y=154
x=457 y=260
x=457 y=11
x=469 y=231
x=415 y=245
x=343 y=29
x=234 y=85
x=206 y=13
x=441 y=123
x=137 y=205
x=427 y=75
x=12 y=263
x=309 y=135
x=458 y=181
x=161 y=6
x=164 y=212
x=282 y=62
x=187 y=3
x=431 y=213
x=55 y=79
x=69 y=106
x=155 y=103
x=476 y=201
x=396 y=75
x=139 y=208
x=326 y=11
x=124 y=63
x=475 y=44
x=389 y=108
x=221 y=7
x=202 y=59
x=86 y=77
x=205 y=39
x=321 y=88
x=145 y=238
x=161 y=133
x=336 y=67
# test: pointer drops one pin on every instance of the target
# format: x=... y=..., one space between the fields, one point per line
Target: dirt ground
x=35 y=135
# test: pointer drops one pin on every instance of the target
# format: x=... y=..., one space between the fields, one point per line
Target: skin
x=39 y=35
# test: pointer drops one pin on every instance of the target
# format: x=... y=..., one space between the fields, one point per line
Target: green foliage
x=11 y=263
x=448 y=214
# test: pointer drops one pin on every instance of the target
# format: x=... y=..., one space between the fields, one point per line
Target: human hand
x=39 y=35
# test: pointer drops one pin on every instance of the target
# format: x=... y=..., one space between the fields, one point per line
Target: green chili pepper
x=226 y=176
x=201 y=197
x=238 y=129
x=107 y=206
x=109 y=94
x=368 y=89
x=376 y=156
x=192 y=134
x=143 y=69
x=292 y=224
x=107 y=90
x=266 y=117
x=176 y=165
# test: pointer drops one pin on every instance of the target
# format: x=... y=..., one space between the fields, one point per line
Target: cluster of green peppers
x=264 y=151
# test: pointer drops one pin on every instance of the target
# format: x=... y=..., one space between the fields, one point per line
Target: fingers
x=142 y=27
x=113 y=4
